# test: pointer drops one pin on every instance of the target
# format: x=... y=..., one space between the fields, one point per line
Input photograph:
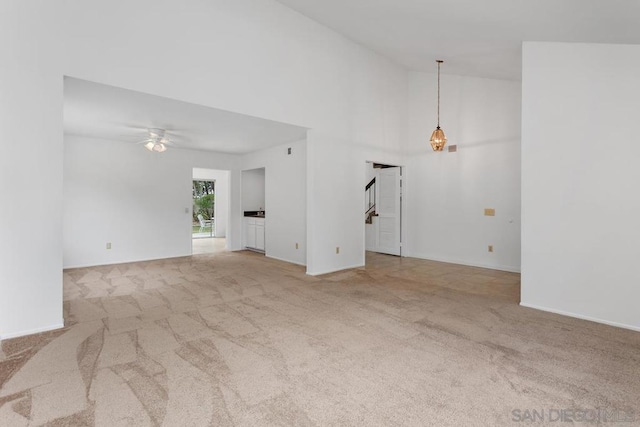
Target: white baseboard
x=286 y=260
x=581 y=316
x=31 y=331
x=117 y=262
x=509 y=268
x=319 y=273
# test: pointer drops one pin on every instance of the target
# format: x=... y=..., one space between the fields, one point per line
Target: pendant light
x=438 y=140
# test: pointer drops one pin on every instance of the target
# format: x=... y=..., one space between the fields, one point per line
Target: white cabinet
x=250 y=233
x=260 y=234
x=254 y=233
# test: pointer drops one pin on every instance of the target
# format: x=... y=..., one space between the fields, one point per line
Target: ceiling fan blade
x=127 y=126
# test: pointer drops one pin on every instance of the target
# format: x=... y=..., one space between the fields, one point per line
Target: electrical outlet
x=296 y=245
x=337 y=249
x=490 y=248
x=108 y=245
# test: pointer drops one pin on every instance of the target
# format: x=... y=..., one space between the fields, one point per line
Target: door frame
x=402 y=201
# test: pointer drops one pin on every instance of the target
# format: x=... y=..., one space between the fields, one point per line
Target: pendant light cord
x=439 y=62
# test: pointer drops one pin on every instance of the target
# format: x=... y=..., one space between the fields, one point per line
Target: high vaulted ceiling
x=475 y=37
x=99 y=111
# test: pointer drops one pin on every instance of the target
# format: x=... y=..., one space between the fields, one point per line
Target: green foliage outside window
x=203 y=199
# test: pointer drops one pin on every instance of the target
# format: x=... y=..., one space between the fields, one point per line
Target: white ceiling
x=100 y=111
x=475 y=37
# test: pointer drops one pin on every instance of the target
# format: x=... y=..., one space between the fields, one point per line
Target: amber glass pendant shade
x=438 y=140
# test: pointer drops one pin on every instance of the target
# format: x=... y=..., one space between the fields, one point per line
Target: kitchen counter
x=254 y=214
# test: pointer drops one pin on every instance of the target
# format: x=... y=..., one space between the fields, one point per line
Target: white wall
x=121 y=193
x=285 y=197
x=580 y=204
x=235 y=222
x=255 y=57
x=445 y=193
x=336 y=177
x=253 y=188
x=221 y=204
x=30 y=169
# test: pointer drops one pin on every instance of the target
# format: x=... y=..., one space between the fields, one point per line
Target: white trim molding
x=286 y=260
x=320 y=273
x=581 y=316
x=32 y=331
x=508 y=268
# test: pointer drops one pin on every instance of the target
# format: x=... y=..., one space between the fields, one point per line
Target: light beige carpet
x=239 y=339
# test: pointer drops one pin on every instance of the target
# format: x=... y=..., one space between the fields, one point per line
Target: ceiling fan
x=157 y=140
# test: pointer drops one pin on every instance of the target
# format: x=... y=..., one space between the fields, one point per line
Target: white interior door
x=388 y=210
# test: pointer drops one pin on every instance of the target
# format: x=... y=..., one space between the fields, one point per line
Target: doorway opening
x=210 y=194
x=383 y=209
x=203 y=209
x=254 y=209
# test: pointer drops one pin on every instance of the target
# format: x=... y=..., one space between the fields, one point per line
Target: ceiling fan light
x=157 y=141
